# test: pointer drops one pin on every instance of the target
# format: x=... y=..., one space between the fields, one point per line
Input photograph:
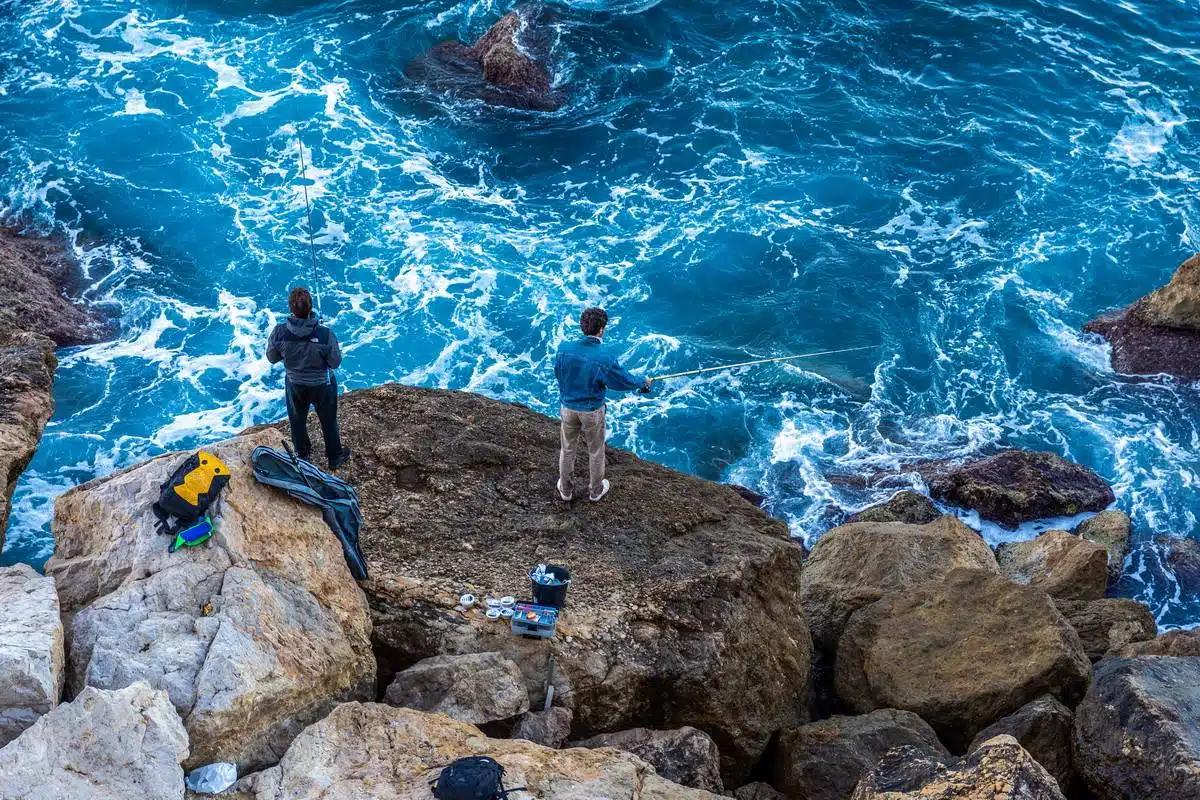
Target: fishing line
x=312 y=247
x=760 y=361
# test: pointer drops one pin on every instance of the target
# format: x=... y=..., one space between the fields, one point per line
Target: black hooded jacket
x=309 y=351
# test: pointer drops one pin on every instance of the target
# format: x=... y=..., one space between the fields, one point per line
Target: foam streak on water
x=964 y=184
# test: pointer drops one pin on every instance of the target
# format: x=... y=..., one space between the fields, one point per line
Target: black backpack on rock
x=474 y=778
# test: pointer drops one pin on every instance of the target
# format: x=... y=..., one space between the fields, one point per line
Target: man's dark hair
x=593 y=321
x=300 y=303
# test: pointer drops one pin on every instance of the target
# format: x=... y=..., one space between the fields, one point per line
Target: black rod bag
x=337 y=499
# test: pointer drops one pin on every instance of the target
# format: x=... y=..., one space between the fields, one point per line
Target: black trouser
x=299 y=400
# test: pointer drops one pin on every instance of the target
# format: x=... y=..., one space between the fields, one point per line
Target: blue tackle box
x=529 y=619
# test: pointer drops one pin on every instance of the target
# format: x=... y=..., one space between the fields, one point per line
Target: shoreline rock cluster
x=687 y=663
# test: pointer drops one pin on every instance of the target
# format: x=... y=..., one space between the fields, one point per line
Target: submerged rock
x=826 y=760
x=253 y=635
x=1109 y=529
x=1136 y=732
x=854 y=565
x=507 y=66
x=1045 y=729
x=683 y=607
x=1060 y=564
x=961 y=653
x=366 y=751
x=475 y=688
x=1016 y=486
x=1183 y=557
x=1108 y=625
x=31 y=649
x=912 y=508
x=1160 y=333
x=1000 y=768
x=104 y=745
x=685 y=756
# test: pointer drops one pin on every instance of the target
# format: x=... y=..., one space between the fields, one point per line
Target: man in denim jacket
x=585 y=370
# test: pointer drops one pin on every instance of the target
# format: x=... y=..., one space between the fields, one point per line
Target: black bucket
x=552 y=594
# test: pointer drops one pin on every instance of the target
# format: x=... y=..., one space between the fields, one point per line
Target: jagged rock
x=506 y=66
x=1183 y=556
x=1171 y=643
x=685 y=756
x=683 y=607
x=1016 y=486
x=31 y=649
x=1109 y=529
x=1135 y=731
x=961 y=653
x=1176 y=305
x=475 y=688
x=27 y=366
x=104 y=745
x=826 y=760
x=252 y=635
x=1044 y=728
x=999 y=769
x=366 y=751
x=912 y=508
x=854 y=565
x=549 y=728
x=758 y=791
x=1060 y=564
x=1106 y=626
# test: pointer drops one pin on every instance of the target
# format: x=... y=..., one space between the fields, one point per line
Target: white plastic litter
x=212 y=778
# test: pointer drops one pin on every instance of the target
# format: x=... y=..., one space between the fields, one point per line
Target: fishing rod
x=759 y=361
x=312 y=246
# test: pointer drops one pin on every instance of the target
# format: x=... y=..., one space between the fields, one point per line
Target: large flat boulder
x=477 y=688
x=253 y=635
x=1107 y=626
x=1016 y=486
x=961 y=653
x=366 y=751
x=826 y=760
x=1045 y=729
x=998 y=770
x=27 y=365
x=31 y=649
x=1110 y=529
x=1136 y=733
x=912 y=508
x=104 y=745
x=854 y=565
x=684 y=606
x=685 y=756
x=1060 y=564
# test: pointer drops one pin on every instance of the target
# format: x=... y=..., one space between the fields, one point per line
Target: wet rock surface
x=1016 y=486
x=31 y=649
x=907 y=506
x=1060 y=564
x=1107 y=626
x=1045 y=729
x=683 y=608
x=961 y=653
x=1183 y=557
x=1110 y=529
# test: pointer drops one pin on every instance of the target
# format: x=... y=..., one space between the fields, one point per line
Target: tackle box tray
x=529 y=619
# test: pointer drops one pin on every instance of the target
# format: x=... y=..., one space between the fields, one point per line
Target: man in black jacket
x=310 y=353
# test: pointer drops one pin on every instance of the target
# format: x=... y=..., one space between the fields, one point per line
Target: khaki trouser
x=591 y=425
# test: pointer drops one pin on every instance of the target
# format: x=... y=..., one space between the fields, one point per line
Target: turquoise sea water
x=963 y=184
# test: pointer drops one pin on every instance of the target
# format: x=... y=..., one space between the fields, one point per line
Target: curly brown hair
x=593 y=321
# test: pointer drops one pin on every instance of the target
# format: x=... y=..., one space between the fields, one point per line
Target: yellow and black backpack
x=190 y=491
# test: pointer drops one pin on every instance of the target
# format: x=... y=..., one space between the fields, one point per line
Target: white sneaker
x=566 y=497
x=604 y=487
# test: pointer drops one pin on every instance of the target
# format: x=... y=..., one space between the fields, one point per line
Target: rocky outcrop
x=1183 y=557
x=1109 y=529
x=1109 y=625
x=253 y=635
x=1016 y=486
x=104 y=745
x=507 y=66
x=27 y=366
x=1136 y=732
x=1060 y=564
x=912 y=508
x=31 y=649
x=685 y=756
x=1045 y=729
x=1159 y=334
x=961 y=653
x=683 y=608
x=549 y=727
x=366 y=751
x=1172 y=643
x=854 y=565
x=475 y=688
x=1000 y=768
x=827 y=759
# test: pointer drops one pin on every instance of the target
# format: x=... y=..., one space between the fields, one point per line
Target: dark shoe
x=339 y=462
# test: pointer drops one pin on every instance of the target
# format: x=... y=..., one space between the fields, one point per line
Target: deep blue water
x=962 y=183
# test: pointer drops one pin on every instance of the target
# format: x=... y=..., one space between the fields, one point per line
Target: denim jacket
x=585 y=369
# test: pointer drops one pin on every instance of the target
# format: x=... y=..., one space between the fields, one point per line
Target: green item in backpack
x=197 y=534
